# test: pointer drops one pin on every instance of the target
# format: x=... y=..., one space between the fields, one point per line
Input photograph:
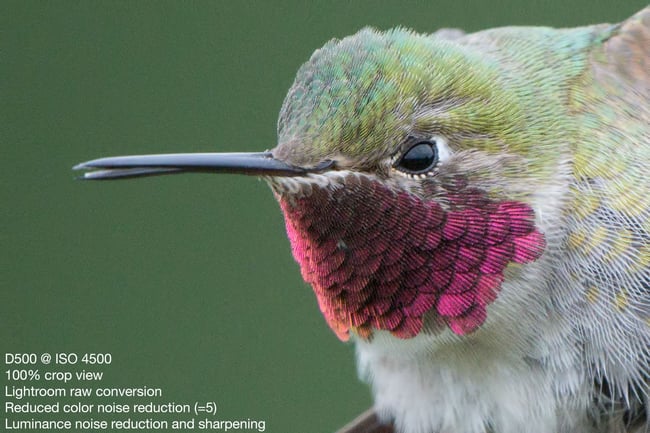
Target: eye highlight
x=421 y=158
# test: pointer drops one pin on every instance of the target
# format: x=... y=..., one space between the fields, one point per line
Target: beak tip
x=86 y=165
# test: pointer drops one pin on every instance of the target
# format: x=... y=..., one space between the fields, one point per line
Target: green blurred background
x=188 y=281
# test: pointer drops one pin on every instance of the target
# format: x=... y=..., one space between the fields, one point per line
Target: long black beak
x=253 y=164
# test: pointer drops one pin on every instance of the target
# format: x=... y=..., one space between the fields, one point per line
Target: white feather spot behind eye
x=444 y=152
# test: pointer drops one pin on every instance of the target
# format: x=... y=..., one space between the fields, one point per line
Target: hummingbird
x=472 y=211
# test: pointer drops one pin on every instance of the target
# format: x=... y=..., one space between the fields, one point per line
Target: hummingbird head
x=427 y=203
x=404 y=174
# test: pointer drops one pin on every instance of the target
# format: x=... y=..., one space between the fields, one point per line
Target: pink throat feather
x=382 y=259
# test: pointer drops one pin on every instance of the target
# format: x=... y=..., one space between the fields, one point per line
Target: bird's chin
x=296 y=187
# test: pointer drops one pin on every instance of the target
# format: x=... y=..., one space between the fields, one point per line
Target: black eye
x=420 y=158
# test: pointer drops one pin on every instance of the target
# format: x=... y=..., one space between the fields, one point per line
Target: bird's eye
x=419 y=159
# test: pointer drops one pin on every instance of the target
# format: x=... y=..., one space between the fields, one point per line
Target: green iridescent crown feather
x=360 y=97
